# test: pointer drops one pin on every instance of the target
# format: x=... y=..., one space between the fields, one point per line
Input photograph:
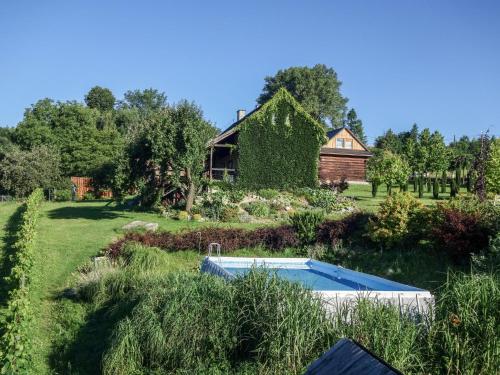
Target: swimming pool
x=335 y=285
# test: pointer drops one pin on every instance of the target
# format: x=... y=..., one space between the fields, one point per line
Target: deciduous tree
x=317 y=89
x=21 y=172
x=100 y=98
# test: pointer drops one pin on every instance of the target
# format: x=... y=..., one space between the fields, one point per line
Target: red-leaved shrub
x=460 y=233
x=230 y=239
x=332 y=231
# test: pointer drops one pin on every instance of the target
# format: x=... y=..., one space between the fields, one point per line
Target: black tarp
x=347 y=357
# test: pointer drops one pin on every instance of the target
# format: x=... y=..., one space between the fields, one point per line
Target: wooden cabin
x=344 y=156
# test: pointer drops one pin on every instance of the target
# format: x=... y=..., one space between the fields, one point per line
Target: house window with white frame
x=343 y=143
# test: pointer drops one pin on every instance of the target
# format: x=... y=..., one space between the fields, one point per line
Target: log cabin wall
x=336 y=167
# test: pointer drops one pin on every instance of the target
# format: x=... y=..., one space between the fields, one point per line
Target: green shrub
x=236 y=196
x=183 y=215
x=326 y=199
x=306 y=224
x=258 y=209
x=213 y=204
x=88 y=196
x=15 y=343
x=63 y=195
x=268 y=193
x=197 y=217
x=229 y=214
x=395 y=220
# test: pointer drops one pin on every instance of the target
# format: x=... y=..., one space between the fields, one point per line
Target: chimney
x=240 y=113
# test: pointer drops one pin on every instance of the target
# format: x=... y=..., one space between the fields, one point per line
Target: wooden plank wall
x=84 y=185
x=336 y=167
x=344 y=134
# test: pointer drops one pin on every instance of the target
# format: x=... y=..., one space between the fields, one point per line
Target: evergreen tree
x=356 y=125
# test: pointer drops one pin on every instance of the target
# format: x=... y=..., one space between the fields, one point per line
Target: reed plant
x=259 y=323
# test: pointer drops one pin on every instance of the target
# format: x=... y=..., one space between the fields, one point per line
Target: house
x=337 y=154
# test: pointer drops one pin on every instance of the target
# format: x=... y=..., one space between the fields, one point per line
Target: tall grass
x=465 y=336
x=259 y=323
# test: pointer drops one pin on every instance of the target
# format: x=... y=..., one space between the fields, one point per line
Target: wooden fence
x=84 y=185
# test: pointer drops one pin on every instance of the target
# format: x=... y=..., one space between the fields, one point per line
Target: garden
x=114 y=286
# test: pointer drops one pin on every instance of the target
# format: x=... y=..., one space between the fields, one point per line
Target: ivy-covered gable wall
x=279 y=145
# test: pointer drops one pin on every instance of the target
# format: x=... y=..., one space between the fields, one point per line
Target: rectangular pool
x=334 y=284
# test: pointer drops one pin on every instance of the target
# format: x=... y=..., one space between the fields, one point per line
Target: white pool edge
x=419 y=300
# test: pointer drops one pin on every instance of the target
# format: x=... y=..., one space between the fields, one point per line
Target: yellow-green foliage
x=493 y=168
x=394 y=219
x=279 y=145
x=16 y=339
x=183 y=215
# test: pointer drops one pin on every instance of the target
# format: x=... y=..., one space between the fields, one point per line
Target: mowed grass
x=69 y=234
x=362 y=195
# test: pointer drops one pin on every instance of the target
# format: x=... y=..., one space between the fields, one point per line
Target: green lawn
x=362 y=194
x=69 y=234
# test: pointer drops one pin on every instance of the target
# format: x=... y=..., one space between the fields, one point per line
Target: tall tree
x=72 y=130
x=144 y=101
x=317 y=89
x=387 y=168
x=356 y=125
x=21 y=172
x=480 y=166
x=493 y=168
x=438 y=154
x=100 y=98
x=193 y=134
x=389 y=141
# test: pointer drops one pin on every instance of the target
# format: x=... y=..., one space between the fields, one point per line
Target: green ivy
x=279 y=145
x=15 y=341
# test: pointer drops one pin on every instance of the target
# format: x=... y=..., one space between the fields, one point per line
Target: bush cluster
x=463 y=226
x=395 y=220
x=306 y=224
x=272 y=238
x=15 y=342
x=459 y=227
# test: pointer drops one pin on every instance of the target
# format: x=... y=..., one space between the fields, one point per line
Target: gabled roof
x=332 y=133
x=281 y=93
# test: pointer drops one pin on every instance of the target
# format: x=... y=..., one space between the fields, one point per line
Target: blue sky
x=436 y=63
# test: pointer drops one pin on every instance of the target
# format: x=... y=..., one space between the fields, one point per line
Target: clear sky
x=436 y=63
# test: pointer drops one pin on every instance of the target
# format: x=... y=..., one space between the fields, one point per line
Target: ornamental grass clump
x=465 y=336
x=306 y=223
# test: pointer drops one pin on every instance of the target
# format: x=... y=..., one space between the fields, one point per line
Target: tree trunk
x=191 y=191
x=374 y=189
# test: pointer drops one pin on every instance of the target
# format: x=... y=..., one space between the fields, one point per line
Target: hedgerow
x=15 y=343
x=288 y=140
x=271 y=238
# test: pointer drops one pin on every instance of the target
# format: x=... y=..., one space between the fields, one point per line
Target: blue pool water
x=310 y=278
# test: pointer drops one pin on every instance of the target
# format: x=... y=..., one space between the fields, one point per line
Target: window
x=343 y=143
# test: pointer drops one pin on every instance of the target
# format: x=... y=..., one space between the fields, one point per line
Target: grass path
x=69 y=234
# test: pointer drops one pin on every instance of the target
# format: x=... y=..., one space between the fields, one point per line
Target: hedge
x=15 y=341
x=272 y=238
x=279 y=145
